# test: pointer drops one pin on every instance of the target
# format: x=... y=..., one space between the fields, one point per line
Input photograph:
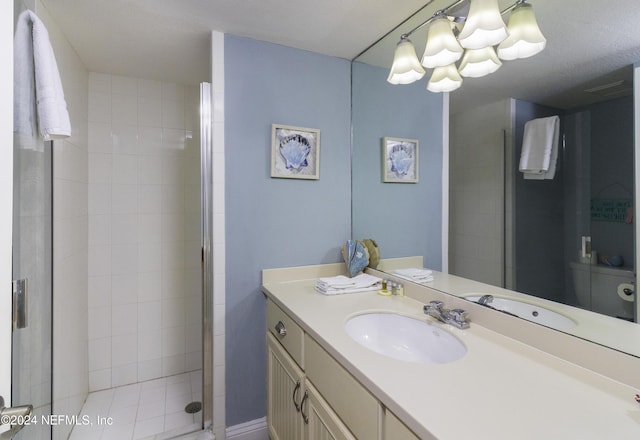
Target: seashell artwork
x=295 y=152
x=295 y=149
x=400 y=160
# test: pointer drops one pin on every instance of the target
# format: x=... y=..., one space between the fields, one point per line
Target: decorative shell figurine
x=356 y=256
x=374 y=251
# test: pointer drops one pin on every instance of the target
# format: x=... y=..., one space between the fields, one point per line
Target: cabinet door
x=394 y=429
x=285 y=382
x=324 y=424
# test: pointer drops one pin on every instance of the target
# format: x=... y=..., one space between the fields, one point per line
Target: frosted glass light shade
x=442 y=47
x=406 y=67
x=525 y=38
x=444 y=79
x=484 y=26
x=479 y=62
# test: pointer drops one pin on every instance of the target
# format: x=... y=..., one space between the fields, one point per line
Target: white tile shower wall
x=70 y=379
x=144 y=230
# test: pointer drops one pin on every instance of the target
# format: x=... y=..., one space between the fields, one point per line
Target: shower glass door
x=32 y=274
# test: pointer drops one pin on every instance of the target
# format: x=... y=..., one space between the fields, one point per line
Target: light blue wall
x=405 y=219
x=277 y=222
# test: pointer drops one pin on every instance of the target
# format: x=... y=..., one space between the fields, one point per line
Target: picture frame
x=399 y=160
x=295 y=152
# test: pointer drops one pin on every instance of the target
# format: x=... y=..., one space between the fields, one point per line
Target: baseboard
x=251 y=430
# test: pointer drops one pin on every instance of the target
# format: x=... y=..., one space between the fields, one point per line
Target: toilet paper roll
x=623 y=289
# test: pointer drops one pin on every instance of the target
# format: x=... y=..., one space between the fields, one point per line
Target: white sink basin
x=530 y=312
x=404 y=338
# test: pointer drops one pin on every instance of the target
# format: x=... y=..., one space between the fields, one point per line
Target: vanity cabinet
x=285 y=389
x=313 y=397
x=324 y=424
x=295 y=409
x=395 y=429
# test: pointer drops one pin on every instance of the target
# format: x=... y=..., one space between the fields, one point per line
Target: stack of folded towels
x=416 y=275
x=343 y=284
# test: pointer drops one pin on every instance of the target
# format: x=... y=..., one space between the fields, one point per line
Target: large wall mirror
x=471 y=213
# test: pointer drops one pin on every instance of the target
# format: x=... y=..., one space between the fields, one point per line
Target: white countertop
x=501 y=388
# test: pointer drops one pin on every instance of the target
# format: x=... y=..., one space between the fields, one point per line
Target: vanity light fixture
x=445 y=79
x=442 y=48
x=483 y=29
x=406 y=68
x=484 y=26
x=479 y=62
x=525 y=38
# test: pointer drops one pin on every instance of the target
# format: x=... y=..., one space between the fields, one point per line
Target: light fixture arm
x=443 y=12
x=512 y=7
x=438 y=13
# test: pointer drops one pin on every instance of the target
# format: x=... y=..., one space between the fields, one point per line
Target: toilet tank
x=596 y=288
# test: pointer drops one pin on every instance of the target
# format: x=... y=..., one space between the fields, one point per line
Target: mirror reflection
x=566 y=243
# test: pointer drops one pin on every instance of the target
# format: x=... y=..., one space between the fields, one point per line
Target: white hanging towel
x=540 y=148
x=39 y=104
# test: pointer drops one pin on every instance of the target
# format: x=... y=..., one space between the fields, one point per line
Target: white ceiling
x=169 y=39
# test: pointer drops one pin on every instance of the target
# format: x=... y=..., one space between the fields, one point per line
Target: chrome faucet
x=455 y=317
x=485 y=300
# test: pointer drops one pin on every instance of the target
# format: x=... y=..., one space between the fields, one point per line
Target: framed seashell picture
x=295 y=152
x=399 y=160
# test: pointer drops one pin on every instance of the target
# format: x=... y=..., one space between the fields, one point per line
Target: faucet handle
x=438 y=305
x=459 y=317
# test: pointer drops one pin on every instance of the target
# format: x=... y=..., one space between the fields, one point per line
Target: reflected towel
x=342 y=284
x=38 y=95
x=540 y=148
x=414 y=272
x=416 y=275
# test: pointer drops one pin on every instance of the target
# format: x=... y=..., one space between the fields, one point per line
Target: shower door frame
x=206 y=205
x=6 y=195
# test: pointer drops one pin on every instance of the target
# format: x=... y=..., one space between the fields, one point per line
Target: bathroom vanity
x=322 y=383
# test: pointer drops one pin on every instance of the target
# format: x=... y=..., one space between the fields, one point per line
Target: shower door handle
x=20 y=302
x=18 y=417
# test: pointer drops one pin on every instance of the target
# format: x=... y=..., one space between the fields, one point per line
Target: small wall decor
x=399 y=160
x=612 y=210
x=295 y=152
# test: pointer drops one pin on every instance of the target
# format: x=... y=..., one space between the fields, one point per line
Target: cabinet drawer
x=357 y=408
x=285 y=330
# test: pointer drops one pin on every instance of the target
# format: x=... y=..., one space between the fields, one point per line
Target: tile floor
x=142 y=410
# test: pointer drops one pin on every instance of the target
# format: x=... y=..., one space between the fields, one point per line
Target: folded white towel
x=419 y=280
x=413 y=272
x=38 y=95
x=540 y=148
x=343 y=284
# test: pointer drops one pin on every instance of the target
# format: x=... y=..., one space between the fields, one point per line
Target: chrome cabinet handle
x=280 y=329
x=295 y=391
x=304 y=416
